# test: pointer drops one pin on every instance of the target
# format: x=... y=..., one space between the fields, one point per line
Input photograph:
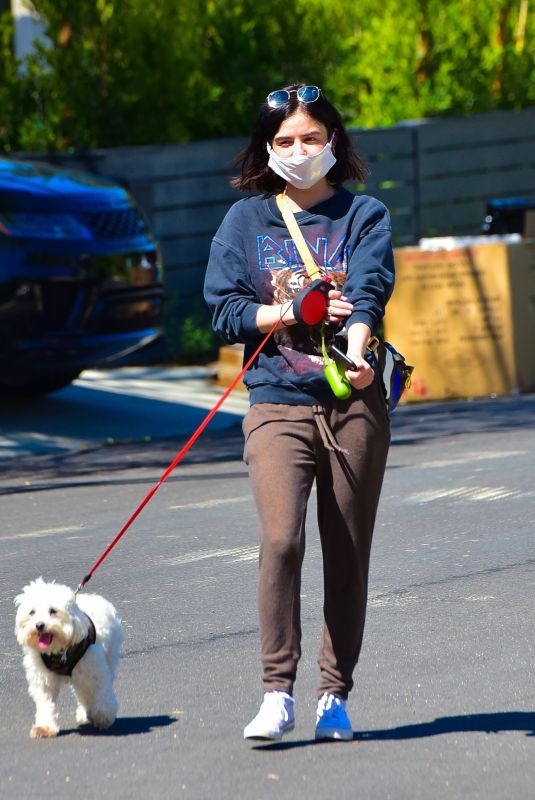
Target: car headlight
x=42 y=226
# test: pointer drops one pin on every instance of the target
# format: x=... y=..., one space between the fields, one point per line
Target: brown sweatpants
x=286 y=448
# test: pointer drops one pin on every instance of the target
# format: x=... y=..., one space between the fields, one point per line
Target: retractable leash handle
x=310 y=305
x=193 y=438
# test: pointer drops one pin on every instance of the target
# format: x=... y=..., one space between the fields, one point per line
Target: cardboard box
x=229 y=364
x=465 y=318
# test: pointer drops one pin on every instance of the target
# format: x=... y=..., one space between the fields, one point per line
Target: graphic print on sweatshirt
x=273 y=254
x=300 y=346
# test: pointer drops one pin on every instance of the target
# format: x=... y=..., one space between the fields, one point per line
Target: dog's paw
x=41 y=732
x=81 y=715
x=101 y=720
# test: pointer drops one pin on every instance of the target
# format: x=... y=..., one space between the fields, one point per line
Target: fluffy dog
x=68 y=640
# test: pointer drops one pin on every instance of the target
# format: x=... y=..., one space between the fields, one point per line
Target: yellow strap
x=313 y=271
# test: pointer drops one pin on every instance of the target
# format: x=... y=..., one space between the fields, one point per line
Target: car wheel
x=36 y=385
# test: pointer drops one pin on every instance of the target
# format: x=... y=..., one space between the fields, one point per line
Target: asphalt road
x=444 y=704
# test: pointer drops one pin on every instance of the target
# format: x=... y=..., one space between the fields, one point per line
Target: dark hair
x=253 y=159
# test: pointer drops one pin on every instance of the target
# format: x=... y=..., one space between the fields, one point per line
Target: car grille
x=76 y=307
x=128 y=310
x=60 y=302
x=123 y=223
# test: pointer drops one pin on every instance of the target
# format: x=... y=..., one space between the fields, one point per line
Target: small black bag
x=391 y=366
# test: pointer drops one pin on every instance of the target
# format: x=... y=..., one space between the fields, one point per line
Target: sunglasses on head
x=307 y=94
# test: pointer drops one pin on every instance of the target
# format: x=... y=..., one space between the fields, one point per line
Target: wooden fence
x=435 y=177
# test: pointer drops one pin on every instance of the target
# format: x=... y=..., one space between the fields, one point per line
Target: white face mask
x=302 y=171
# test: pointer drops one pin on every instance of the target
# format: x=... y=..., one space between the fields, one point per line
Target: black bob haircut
x=253 y=160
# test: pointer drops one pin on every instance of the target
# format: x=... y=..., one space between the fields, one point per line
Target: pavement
x=443 y=702
x=135 y=406
x=163 y=403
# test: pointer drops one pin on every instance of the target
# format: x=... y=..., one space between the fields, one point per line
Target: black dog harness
x=64 y=662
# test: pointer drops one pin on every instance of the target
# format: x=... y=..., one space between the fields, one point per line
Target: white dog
x=68 y=640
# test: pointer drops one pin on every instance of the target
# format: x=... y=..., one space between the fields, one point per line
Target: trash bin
x=506 y=215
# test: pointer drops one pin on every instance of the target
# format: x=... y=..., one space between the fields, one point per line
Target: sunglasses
x=307 y=94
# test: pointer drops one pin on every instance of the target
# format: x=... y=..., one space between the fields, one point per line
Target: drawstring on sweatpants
x=327 y=436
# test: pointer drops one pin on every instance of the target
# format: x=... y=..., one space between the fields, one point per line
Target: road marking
x=484 y=456
x=221 y=501
x=403 y=598
x=476 y=598
x=229 y=555
x=400 y=598
x=475 y=493
x=44 y=532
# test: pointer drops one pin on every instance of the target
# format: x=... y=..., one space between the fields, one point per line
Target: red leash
x=193 y=438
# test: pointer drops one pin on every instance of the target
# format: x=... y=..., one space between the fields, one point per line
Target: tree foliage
x=126 y=72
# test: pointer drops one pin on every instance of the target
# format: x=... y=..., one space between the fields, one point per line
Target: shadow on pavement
x=125 y=726
x=420 y=423
x=412 y=424
x=69 y=468
x=499 y=722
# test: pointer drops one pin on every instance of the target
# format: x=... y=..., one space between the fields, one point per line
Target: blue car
x=80 y=276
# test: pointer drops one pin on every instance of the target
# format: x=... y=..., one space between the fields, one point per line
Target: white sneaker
x=275 y=718
x=332 y=721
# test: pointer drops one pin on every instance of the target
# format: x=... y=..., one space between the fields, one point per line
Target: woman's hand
x=362 y=376
x=357 y=339
x=338 y=308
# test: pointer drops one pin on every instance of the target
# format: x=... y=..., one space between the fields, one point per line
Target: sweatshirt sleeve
x=370 y=274
x=228 y=288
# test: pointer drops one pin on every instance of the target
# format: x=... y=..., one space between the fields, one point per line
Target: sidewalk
x=131 y=404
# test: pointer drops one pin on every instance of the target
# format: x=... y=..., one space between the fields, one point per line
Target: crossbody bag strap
x=313 y=271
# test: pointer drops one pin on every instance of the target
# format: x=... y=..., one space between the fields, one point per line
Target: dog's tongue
x=45 y=640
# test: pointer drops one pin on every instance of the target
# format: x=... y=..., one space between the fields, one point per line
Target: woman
x=296 y=430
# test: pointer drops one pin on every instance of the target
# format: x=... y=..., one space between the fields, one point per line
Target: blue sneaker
x=275 y=718
x=332 y=721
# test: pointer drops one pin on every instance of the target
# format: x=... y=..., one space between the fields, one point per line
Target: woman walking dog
x=297 y=430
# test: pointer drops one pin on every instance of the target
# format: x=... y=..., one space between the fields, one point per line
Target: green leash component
x=337 y=380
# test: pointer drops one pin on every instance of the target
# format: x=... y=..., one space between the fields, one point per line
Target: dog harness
x=64 y=662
